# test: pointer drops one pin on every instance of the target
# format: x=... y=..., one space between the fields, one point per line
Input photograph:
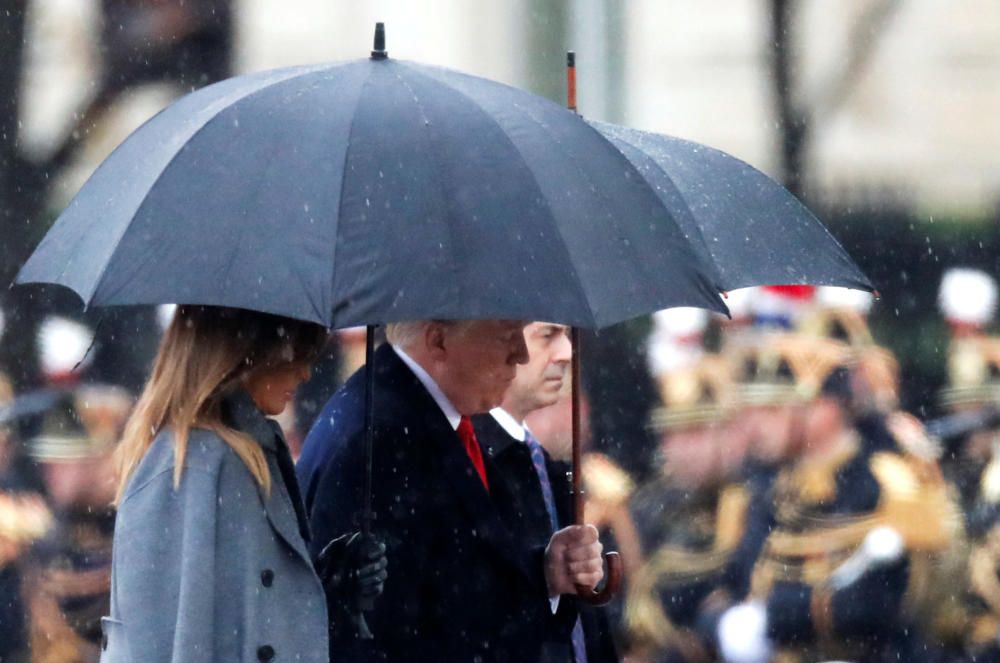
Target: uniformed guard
x=68 y=576
x=838 y=575
x=687 y=524
x=842 y=314
x=968 y=301
x=24 y=518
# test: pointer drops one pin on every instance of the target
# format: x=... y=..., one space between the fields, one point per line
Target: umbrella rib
x=696 y=228
x=643 y=267
x=220 y=106
x=489 y=117
x=427 y=124
x=340 y=203
x=844 y=256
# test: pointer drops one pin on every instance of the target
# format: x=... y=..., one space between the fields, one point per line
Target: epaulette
x=605 y=482
x=922 y=512
x=24 y=518
x=731 y=516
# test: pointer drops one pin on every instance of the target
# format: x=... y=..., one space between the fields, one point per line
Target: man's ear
x=434 y=341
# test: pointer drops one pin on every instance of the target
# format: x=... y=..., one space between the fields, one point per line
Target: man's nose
x=563 y=350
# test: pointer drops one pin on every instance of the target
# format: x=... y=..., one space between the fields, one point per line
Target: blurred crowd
x=795 y=512
x=791 y=512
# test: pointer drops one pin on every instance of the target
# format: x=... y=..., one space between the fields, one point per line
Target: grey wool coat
x=213 y=570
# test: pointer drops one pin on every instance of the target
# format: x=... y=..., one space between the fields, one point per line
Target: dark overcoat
x=460 y=588
x=532 y=527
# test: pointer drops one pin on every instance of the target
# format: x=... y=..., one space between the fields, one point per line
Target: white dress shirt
x=449 y=410
x=509 y=423
x=518 y=432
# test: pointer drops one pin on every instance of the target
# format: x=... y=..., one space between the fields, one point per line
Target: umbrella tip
x=379 y=52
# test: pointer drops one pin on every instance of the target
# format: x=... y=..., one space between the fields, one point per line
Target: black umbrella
x=369 y=192
x=750 y=227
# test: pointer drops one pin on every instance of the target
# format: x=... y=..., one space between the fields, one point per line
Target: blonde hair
x=204 y=353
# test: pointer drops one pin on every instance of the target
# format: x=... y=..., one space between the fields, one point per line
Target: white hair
x=405 y=334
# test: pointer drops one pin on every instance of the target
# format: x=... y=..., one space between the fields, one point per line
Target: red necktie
x=468 y=437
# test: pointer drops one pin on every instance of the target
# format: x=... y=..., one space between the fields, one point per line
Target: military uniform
x=884 y=428
x=826 y=505
x=24 y=518
x=974 y=384
x=67 y=575
x=687 y=531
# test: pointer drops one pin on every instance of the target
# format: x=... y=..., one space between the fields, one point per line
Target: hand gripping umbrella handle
x=611 y=584
x=612 y=560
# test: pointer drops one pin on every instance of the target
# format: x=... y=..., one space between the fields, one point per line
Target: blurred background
x=882 y=115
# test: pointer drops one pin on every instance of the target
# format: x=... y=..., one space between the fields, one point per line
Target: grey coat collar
x=284 y=504
x=241 y=412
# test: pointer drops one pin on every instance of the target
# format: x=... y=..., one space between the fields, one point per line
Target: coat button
x=265 y=653
x=267 y=577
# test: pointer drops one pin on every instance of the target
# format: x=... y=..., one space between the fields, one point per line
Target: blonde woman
x=210 y=559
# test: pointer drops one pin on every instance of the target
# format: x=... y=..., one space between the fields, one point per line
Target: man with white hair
x=460 y=587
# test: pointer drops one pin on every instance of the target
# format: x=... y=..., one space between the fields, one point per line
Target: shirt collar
x=509 y=424
x=449 y=411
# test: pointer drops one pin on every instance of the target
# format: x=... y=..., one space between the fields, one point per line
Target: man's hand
x=573 y=557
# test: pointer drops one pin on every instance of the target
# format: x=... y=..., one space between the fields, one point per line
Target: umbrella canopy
x=374 y=191
x=752 y=229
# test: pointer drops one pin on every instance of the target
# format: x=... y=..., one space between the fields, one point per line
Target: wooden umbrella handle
x=612 y=582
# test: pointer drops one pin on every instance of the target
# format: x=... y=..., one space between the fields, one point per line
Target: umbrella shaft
x=366 y=520
x=575 y=384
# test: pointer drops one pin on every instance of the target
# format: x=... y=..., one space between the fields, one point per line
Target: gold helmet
x=973 y=372
x=841 y=315
x=784 y=369
x=82 y=423
x=699 y=395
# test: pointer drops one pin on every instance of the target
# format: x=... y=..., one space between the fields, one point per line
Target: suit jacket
x=213 y=570
x=532 y=527
x=460 y=588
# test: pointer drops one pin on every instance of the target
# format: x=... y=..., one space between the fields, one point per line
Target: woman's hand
x=353 y=570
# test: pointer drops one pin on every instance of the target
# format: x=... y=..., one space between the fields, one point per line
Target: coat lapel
x=476 y=502
x=444 y=445
x=242 y=414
